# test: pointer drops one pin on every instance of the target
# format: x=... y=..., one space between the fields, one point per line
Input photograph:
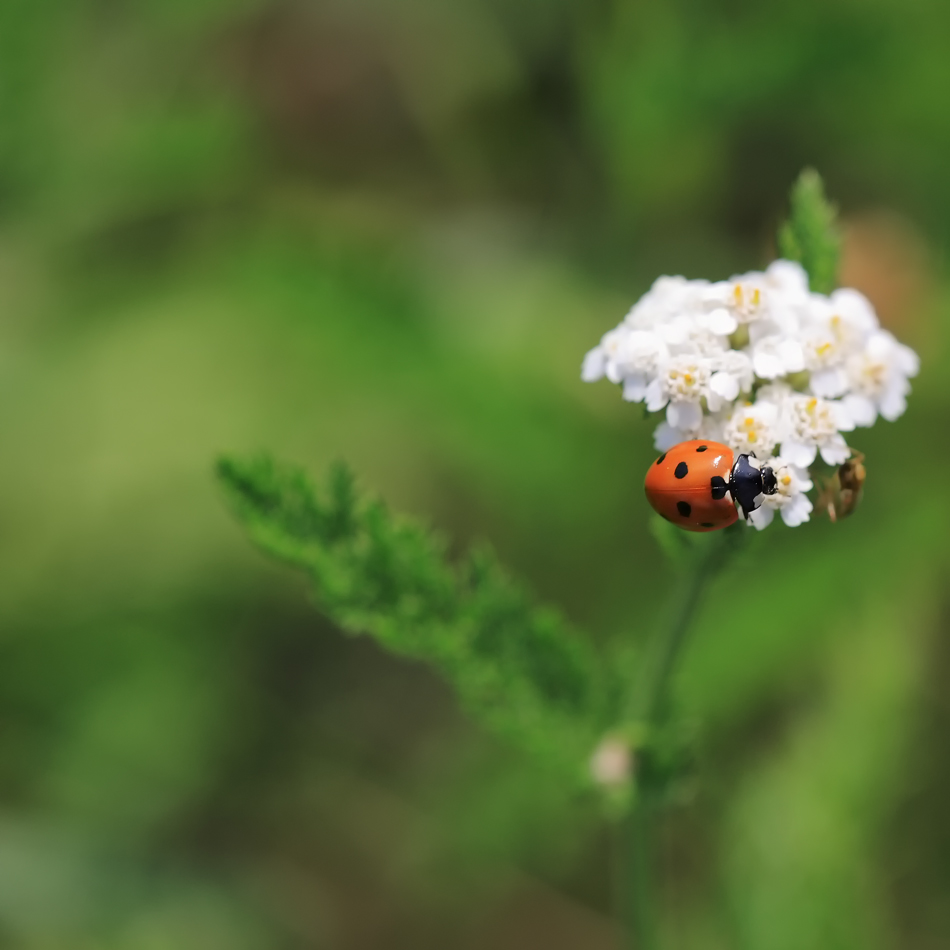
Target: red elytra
x=687 y=485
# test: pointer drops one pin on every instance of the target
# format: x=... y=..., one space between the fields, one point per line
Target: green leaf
x=518 y=668
x=810 y=236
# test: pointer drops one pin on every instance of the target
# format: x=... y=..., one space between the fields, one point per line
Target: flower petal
x=862 y=410
x=803 y=482
x=655 y=397
x=792 y=355
x=767 y=365
x=843 y=420
x=687 y=416
x=798 y=454
x=893 y=403
x=797 y=511
x=665 y=437
x=828 y=383
x=835 y=451
x=788 y=275
x=761 y=517
x=595 y=363
x=906 y=360
x=722 y=322
x=635 y=387
x=725 y=385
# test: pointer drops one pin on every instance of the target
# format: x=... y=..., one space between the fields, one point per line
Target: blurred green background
x=387 y=231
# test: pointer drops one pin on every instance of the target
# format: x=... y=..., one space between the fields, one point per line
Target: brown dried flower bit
x=842 y=492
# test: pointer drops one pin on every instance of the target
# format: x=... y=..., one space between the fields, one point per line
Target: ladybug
x=691 y=485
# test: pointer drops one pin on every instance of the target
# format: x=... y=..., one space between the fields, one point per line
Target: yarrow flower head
x=763 y=364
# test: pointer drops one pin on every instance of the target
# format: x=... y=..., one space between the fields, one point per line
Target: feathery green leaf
x=810 y=235
x=518 y=668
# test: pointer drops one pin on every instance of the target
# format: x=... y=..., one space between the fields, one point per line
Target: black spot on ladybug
x=682 y=470
x=707 y=524
x=659 y=461
x=703 y=448
x=718 y=485
x=683 y=507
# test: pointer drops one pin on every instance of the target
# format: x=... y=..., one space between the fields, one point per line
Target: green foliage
x=213 y=218
x=810 y=235
x=518 y=668
x=801 y=833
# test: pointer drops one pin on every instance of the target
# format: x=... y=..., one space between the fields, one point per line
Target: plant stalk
x=638 y=899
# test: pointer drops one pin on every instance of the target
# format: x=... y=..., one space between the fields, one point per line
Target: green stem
x=650 y=701
x=669 y=643
x=636 y=834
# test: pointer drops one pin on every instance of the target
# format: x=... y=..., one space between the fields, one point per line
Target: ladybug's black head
x=769 y=482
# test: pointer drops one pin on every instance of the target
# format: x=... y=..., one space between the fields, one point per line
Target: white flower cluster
x=762 y=364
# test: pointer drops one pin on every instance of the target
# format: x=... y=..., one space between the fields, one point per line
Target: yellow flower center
x=744 y=303
x=875 y=374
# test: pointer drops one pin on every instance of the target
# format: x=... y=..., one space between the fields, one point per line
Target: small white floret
x=611 y=764
x=789 y=500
